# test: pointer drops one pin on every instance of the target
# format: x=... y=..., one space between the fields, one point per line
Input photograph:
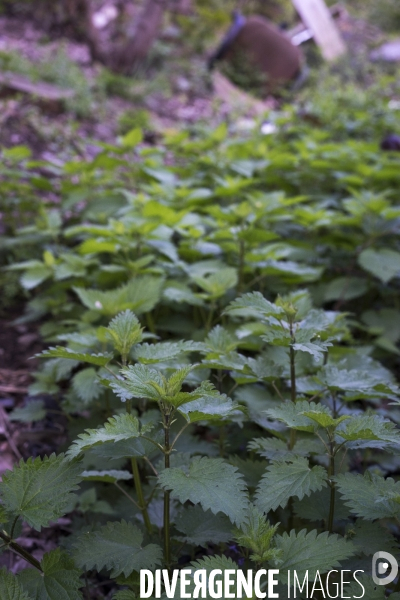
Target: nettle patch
x=223 y=340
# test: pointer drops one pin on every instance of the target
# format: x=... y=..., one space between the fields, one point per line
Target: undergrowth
x=221 y=318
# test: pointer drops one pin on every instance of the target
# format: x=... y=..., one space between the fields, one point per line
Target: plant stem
x=331 y=474
x=167 y=547
x=140 y=495
x=21 y=551
x=241 y=266
x=293 y=394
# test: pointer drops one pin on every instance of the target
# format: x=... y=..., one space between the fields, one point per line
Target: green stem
x=140 y=495
x=293 y=393
x=21 y=551
x=331 y=474
x=167 y=547
x=210 y=317
x=241 y=266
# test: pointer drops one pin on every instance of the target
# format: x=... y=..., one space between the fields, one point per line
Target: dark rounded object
x=267 y=47
x=391 y=142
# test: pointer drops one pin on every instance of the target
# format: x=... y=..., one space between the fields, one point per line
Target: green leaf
x=210 y=482
x=372 y=537
x=220 y=341
x=111 y=476
x=60 y=579
x=132 y=138
x=40 y=490
x=286 y=479
x=164 y=351
x=214 y=407
x=324 y=419
x=371 y=590
x=345 y=288
x=316 y=506
x=117 y=428
x=365 y=428
x=293 y=414
x=85 y=385
x=217 y=284
x=369 y=496
x=311 y=552
x=34 y=276
x=139 y=295
x=253 y=305
x=200 y=527
x=61 y=352
x=10 y=587
x=124 y=331
x=117 y=547
x=276 y=449
x=34 y=410
x=384 y=263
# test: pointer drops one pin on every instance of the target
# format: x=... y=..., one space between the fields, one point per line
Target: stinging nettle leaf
x=124 y=331
x=117 y=428
x=211 y=482
x=40 y=490
x=117 y=547
x=10 y=587
x=311 y=552
x=199 y=527
x=286 y=479
x=369 y=496
x=61 y=352
x=60 y=579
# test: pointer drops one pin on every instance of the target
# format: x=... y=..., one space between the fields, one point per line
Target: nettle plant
x=179 y=474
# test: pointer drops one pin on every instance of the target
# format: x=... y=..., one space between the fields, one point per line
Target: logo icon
x=384 y=563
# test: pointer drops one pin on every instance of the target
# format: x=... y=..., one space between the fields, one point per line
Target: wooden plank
x=316 y=17
x=40 y=89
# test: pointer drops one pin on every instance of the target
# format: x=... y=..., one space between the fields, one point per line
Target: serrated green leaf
x=293 y=414
x=324 y=419
x=220 y=341
x=311 y=552
x=369 y=428
x=369 y=496
x=211 y=482
x=276 y=449
x=124 y=331
x=111 y=476
x=199 y=527
x=253 y=305
x=34 y=410
x=40 y=490
x=117 y=428
x=10 y=587
x=117 y=547
x=210 y=408
x=60 y=579
x=61 y=352
x=286 y=479
x=163 y=351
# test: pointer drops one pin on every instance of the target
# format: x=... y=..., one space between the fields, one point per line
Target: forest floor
x=54 y=133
